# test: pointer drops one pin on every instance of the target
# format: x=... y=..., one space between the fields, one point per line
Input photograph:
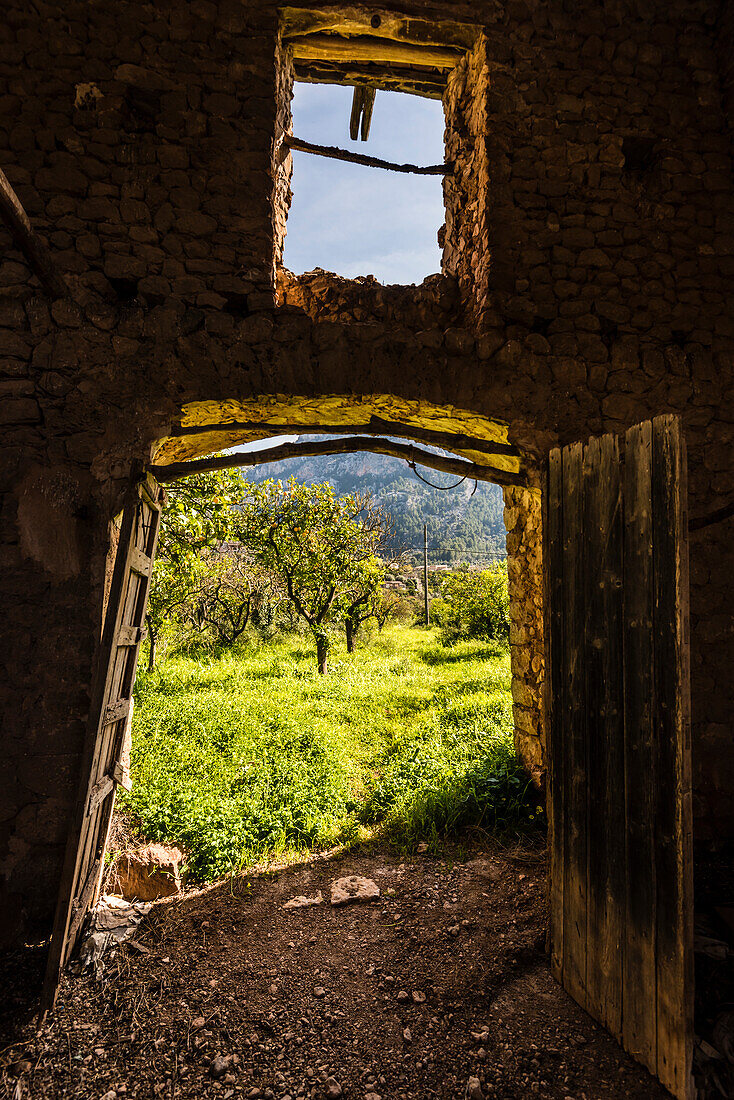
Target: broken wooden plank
x=412 y=455
x=30 y=244
x=358 y=20
x=356 y=116
x=367 y=109
x=332 y=47
x=334 y=153
x=81 y=905
x=362 y=105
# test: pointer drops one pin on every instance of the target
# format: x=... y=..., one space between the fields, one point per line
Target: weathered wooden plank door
x=619 y=739
x=103 y=767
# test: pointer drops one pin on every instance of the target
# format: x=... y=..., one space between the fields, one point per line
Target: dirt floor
x=441 y=980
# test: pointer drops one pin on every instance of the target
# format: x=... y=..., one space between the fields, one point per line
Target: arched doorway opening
x=610 y=506
x=481 y=450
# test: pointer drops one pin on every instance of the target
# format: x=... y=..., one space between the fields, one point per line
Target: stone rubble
x=353 y=888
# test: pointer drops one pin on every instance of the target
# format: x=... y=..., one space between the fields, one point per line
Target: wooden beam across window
x=334 y=153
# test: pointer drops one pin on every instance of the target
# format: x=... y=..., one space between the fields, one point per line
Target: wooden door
x=615 y=531
x=104 y=764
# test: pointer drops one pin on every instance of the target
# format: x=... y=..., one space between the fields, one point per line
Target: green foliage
x=199 y=516
x=473 y=604
x=322 y=547
x=251 y=753
x=460 y=521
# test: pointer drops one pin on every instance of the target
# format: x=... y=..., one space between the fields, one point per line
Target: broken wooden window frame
x=367 y=49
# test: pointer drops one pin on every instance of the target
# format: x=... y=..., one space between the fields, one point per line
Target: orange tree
x=200 y=515
x=320 y=545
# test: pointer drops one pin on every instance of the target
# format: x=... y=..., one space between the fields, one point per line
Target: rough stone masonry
x=586 y=285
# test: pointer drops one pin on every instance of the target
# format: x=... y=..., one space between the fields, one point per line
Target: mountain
x=464 y=524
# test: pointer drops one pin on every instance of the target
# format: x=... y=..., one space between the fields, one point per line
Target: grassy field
x=252 y=753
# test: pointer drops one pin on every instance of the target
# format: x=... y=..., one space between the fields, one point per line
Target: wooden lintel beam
x=334 y=153
x=407 y=80
x=453 y=441
x=332 y=47
x=30 y=244
x=459 y=467
x=356 y=19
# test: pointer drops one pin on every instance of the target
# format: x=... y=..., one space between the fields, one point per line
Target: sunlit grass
x=252 y=753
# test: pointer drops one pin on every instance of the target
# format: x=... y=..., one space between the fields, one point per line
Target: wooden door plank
x=573 y=730
x=604 y=729
x=640 y=997
x=672 y=759
x=553 y=611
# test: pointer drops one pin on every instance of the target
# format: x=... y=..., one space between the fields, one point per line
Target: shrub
x=474 y=605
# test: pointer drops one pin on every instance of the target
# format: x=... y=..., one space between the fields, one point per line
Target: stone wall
x=523 y=521
x=466 y=189
x=142 y=140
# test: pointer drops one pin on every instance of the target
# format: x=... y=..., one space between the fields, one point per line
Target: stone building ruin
x=586 y=287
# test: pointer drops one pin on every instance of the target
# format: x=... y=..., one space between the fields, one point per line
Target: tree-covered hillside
x=463 y=524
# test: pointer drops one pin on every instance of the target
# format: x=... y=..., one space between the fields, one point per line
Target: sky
x=366 y=221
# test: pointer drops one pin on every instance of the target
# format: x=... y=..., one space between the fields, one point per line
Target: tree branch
x=412 y=455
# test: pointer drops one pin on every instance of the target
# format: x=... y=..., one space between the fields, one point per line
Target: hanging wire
x=443 y=488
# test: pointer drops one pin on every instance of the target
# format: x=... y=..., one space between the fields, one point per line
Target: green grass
x=241 y=756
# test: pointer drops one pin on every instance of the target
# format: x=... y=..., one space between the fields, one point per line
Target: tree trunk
x=152 y=640
x=322 y=653
x=351 y=634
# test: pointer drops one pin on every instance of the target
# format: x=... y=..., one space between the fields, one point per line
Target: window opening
x=354 y=220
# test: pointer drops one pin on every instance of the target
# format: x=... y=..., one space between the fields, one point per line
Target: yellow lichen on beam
x=311 y=412
x=327 y=47
x=356 y=20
